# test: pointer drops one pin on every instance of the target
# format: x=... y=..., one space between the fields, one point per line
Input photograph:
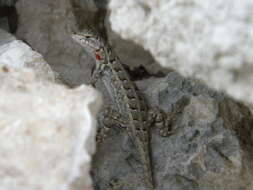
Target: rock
x=47 y=132
x=7 y=2
x=8 y=16
x=17 y=54
x=90 y=14
x=208 y=40
x=49 y=33
x=132 y=54
x=209 y=149
x=4 y=24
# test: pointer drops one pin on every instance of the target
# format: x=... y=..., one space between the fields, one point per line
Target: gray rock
x=7 y=2
x=4 y=24
x=132 y=54
x=8 y=16
x=208 y=150
x=49 y=32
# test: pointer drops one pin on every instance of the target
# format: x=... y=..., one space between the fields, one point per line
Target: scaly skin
x=123 y=92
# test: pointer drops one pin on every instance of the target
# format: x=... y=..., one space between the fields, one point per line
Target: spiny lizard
x=130 y=104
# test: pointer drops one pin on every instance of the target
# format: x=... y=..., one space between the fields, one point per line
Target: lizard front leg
x=95 y=75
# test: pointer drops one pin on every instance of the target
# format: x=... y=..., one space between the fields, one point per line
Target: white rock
x=46 y=131
x=210 y=40
x=17 y=54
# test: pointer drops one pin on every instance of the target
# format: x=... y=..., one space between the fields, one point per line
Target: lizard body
x=125 y=95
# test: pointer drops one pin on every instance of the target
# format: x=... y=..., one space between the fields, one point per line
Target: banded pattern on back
x=135 y=104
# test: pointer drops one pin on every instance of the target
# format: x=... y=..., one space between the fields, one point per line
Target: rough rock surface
x=205 y=39
x=47 y=132
x=16 y=53
x=210 y=149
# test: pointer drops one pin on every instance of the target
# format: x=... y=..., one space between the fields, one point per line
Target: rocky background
x=208 y=40
x=211 y=144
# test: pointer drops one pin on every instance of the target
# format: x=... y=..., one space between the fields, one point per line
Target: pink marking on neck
x=98 y=56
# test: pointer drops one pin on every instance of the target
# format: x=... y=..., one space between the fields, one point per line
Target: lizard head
x=91 y=43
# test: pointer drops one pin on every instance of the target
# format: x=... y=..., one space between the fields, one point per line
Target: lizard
x=130 y=104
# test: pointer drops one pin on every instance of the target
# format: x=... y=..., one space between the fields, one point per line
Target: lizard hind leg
x=108 y=118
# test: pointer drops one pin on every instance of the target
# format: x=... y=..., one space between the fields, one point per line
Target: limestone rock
x=47 y=132
x=205 y=39
x=16 y=53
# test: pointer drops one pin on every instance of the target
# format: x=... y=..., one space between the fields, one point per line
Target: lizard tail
x=148 y=178
x=147 y=170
